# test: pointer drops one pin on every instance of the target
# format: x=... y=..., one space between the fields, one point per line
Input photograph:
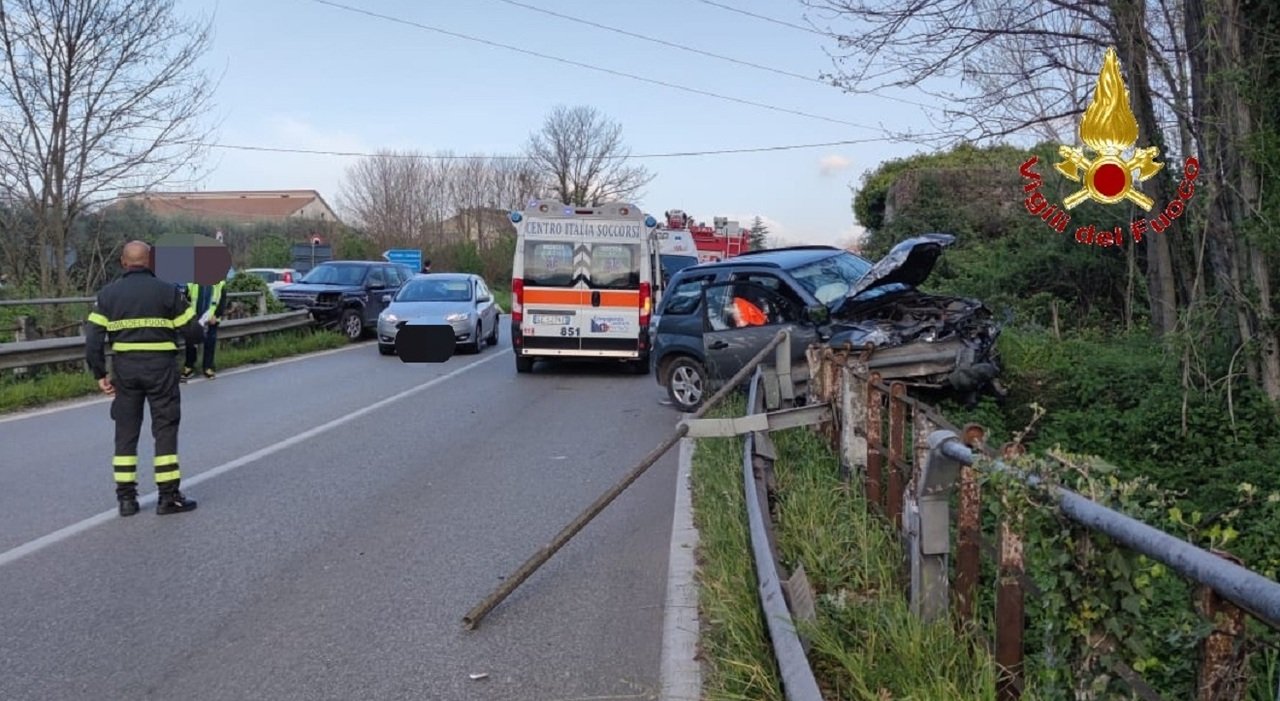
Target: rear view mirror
x=817 y=314
x=386 y=299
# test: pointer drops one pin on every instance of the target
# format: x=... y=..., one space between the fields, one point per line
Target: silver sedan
x=461 y=300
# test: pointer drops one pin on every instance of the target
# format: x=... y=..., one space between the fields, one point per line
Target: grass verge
x=22 y=393
x=866 y=645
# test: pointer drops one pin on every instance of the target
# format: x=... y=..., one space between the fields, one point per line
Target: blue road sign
x=411 y=257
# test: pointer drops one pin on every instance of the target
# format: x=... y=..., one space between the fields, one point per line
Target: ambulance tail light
x=517 y=300
x=646 y=303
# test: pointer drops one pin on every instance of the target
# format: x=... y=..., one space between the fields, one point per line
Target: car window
x=748 y=304
x=548 y=264
x=482 y=290
x=615 y=266
x=336 y=274
x=683 y=298
x=434 y=289
x=770 y=281
x=376 y=277
x=831 y=278
x=393 y=276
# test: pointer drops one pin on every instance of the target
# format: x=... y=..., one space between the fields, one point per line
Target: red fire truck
x=724 y=239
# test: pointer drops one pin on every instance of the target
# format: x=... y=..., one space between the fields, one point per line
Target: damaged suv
x=926 y=341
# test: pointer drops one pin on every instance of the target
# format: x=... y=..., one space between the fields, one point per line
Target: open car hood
x=910 y=262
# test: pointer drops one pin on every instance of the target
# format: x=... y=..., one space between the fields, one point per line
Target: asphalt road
x=339 y=564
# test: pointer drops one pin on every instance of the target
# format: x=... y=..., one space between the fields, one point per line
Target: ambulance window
x=615 y=266
x=548 y=264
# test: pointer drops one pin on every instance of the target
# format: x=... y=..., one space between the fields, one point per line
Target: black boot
x=128 y=504
x=174 y=503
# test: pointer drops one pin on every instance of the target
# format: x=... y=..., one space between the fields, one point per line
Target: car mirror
x=386 y=299
x=484 y=299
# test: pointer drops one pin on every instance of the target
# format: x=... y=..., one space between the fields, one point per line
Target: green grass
x=502 y=297
x=866 y=644
x=20 y=393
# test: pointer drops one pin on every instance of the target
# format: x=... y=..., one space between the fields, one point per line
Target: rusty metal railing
x=912 y=485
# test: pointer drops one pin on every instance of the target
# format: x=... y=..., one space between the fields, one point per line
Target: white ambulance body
x=583 y=283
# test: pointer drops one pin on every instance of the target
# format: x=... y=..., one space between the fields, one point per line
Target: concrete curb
x=681 y=673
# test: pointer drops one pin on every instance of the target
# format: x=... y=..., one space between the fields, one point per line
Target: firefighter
x=142 y=316
x=208 y=301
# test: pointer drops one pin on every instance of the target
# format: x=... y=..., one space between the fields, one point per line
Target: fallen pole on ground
x=472 y=619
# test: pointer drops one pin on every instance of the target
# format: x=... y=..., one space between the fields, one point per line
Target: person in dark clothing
x=426 y=265
x=141 y=317
x=209 y=301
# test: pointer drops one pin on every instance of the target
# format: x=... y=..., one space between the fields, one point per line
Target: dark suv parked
x=923 y=340
x=346 y=293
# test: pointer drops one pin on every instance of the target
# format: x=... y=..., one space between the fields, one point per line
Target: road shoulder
x=681 y=674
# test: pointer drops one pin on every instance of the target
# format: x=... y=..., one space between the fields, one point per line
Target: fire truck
x=723 y=239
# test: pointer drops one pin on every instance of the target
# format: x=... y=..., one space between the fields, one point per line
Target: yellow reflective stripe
x=158 y=346
x=124 y=461
x=169 y=476
x=185 y=317
x=163 y=460
x=126 y=476
x=100 y=320
x=152 y=323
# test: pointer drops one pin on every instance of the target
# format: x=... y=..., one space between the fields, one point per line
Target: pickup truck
x=346 y=294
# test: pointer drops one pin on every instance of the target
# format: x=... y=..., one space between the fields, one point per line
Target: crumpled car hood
x=909 y=262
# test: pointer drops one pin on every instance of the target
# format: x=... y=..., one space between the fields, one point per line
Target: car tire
x=638 y=367
x=686 y=382
x=493 y=335
x=351 y=324
x=476 y=345
x=524 y=364
x=384 y=349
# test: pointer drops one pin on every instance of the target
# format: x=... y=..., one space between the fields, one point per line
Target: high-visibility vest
x=749 y=313
x=193 y=293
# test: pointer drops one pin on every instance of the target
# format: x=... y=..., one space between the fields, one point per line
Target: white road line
x=10 y=556
x=77 y=404
x=681 y=673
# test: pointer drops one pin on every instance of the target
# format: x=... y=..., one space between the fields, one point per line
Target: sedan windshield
x=435 y=290
x=336 y=275
x=830 y=279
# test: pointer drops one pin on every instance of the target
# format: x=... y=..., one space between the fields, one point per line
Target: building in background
x=247 y=206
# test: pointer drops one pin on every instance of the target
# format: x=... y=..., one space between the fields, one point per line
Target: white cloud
x=234 y=169
x=834 y=163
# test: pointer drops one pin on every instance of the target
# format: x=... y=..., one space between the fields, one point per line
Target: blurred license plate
x=557 y=320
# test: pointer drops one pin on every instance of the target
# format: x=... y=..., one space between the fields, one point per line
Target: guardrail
x=50 y=351
x=912 y=486
x=53 y=301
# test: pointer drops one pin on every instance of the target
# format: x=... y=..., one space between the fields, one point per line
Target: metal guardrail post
x=854 y=439
x=1223 y=673
x=1009 y=613
x=928 y=512
x=262 y=304
x=968 y=531
x=782 y=365
x=875 y=443
x=897 y=458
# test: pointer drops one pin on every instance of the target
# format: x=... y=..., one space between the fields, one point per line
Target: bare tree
x=95 y=96
x=584 y=159
x=389 y=195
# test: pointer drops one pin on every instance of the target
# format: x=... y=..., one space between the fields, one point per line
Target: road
x=352 y=509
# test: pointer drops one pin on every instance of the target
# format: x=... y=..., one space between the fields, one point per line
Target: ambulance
x=584 y=282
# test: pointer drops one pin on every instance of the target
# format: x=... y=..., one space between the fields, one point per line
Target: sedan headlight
x=460 y=316
x=390 y=317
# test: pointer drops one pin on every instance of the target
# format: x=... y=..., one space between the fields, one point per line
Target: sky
x=304 y=75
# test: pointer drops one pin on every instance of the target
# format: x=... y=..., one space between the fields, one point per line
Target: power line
x=508 y=157
x=632 y=76
x=673 y=45
x=730 y=8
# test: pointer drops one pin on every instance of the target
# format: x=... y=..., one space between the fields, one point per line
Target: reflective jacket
x=207 y=297
x=138 y=313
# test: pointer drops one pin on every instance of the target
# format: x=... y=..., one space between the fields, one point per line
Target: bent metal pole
x=472 y=619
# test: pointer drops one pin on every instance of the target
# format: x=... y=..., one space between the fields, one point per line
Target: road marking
x=681 y=675
x=78 y=404
x=9 y=556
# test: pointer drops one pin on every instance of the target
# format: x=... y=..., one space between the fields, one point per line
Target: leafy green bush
x=253 y=283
